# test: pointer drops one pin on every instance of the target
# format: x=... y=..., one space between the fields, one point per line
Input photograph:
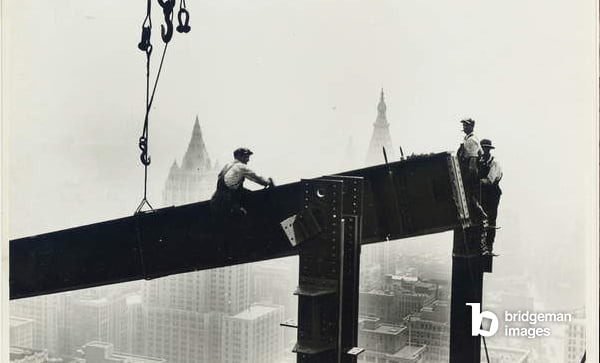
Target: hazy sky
x=294 y=80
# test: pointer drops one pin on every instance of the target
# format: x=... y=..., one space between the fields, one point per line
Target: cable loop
x=146 y=46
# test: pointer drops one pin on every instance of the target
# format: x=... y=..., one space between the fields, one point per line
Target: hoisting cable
x=146 y=46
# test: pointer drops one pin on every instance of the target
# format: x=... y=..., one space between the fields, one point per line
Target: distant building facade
x=431 y=327
x=184 y=313
x=89 y=319
x=47 y=313
x=380 y=304
x=254 y=335
x=574 y=345
x=20 y=332
x=387 y=343
x=127 y=323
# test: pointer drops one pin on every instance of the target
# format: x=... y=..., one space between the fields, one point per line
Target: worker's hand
x=485 y=182
x=270 y=183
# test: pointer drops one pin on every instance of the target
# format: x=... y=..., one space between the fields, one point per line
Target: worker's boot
x=487 y=247
x=484 y=237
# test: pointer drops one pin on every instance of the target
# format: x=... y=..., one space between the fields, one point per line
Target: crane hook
x=143 y=145
x=167 y=6
x=183 y=26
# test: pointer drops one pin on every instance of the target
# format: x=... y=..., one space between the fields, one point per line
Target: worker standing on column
x=490 y=174
x=470 y=150
x=227 y=201
x=468 y=155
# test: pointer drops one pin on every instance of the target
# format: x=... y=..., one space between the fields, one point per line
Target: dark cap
x=242 y=151
x=468 y=121
x=486 y=143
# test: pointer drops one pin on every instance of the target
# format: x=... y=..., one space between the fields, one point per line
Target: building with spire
x=184 y=313
x=196 y=178
x=381 y=136
x=379 y=255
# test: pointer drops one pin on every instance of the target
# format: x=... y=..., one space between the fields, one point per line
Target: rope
x=146 y=46
x=143 y=141
x=487 y=357
x=162 y=59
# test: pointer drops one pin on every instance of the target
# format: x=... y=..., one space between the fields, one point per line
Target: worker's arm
x=251 y=175
x=494 y=175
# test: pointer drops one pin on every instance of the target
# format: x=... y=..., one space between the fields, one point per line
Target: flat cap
x=468 y=121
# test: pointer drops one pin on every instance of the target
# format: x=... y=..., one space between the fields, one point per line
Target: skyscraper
x=196 y=178
x=127 y=323
x=254 y=335
x=431 y=327
x=21 y=332
x=379 y=254
x=574 y=340
x=381 y=137
x=89 y=319
x=183 y=313
x=47 y=313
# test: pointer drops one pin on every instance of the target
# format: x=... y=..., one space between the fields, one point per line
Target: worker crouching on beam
x=490 y=174
x=227 y=203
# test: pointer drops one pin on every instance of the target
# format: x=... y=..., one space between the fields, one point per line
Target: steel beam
x=418 y=196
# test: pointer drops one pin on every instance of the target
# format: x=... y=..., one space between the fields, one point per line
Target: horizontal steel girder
x=413 y=197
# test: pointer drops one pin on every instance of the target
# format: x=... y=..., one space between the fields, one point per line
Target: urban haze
x=302 y=85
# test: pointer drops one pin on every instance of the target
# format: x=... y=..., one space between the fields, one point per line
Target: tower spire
x=381 y=109
x=381 y=137
x=196 y=156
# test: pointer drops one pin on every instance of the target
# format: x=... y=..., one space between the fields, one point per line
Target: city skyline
x=298 y=83
x=190 y=179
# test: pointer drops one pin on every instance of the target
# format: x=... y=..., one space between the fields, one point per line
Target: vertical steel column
x=467 y=287
x=329 y=272
x=348 y=298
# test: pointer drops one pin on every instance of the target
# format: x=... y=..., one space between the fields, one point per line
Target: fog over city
x=299 y=84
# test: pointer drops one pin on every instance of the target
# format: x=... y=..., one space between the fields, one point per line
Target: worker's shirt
x=236 y=172
x=495 y=172
x=471 y=147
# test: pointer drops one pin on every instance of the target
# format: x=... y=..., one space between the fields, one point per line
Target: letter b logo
x=477 y=318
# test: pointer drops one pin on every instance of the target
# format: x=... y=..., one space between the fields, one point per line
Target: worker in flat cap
x=468 y=155
x=227 y=201
x=470 y=150
x=490 y=175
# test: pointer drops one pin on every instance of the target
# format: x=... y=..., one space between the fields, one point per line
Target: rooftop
x=387 y=329
x=18 y=353
x=129 y=358
x=378 y=292
x=409 y=351
x=506 y=354
x=255 y=311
